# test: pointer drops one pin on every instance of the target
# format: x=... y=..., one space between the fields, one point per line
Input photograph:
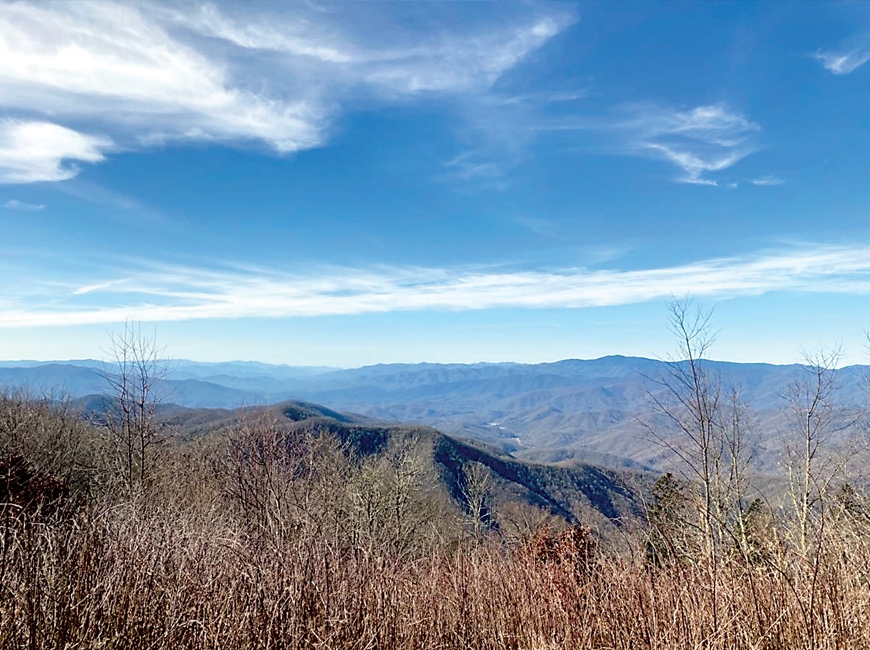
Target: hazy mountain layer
x=595 y=411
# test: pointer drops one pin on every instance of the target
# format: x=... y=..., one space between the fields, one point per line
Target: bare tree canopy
x=133 y=379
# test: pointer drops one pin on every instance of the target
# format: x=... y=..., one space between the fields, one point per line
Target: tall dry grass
x=125 y=578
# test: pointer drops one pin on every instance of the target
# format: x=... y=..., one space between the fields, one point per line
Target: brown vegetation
x=270 y=538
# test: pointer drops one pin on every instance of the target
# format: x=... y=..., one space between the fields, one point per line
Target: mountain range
x=593 y=411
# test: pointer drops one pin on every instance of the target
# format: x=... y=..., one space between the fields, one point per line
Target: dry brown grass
x=121 y=578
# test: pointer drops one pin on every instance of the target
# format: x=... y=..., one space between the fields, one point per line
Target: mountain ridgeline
x=593 y=411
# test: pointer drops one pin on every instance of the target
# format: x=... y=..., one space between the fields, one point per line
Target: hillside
x=580 y=492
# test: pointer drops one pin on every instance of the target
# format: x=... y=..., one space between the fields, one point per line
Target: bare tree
x=476 y=489
x=734 y=494
x=815 y=418
x=704 y=424
x=133 y=379
x=393 y=504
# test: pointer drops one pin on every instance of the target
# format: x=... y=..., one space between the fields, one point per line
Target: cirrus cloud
x=700 y=140
x=159 y=292
x=23 y=206
x=134 y=75
x=841 y=63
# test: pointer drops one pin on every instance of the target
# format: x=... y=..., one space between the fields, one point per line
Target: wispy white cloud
x=844 y=62
x=497 y=130
x=92 y=288
x=38 y=151
x=766 y=181
x=462 y=64
x=471 y=166
x=700 y=140
x=172 y=293
x=298 y=38
x=401 y=62
x=23 y=206
x=542 y=98
x=151 y=73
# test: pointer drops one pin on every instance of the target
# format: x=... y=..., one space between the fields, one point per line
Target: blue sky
x=352 y=183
